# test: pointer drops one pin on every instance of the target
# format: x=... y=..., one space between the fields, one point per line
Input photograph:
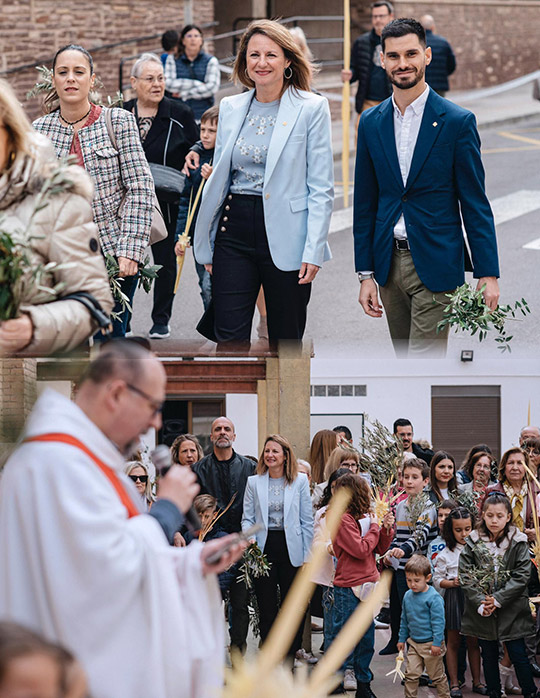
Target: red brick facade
x=494 y=40
x=32 y=30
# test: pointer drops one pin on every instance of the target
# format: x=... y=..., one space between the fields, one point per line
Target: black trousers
x=163 y=253
x=518 y=657
x=241 y=264
x=239 y=614
x=281 y=577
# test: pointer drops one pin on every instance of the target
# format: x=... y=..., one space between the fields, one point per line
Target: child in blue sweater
x=422 y=628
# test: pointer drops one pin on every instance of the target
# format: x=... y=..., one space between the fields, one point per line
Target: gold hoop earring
x=289 y=76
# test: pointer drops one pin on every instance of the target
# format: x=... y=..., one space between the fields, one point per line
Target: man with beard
x=403 y=429
x=418 y=175
x=223 y=474
x=79 y=560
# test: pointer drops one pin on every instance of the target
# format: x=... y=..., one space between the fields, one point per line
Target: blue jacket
x=297 y=519
x=445 y=186
x=443 y=62
x=298 y=188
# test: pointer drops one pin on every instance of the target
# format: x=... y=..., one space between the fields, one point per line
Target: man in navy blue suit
x=418 y=176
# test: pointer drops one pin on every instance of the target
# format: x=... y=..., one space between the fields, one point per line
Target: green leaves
x=147 y=273
x=468 y=312
x=383 y=453
x=488 y=575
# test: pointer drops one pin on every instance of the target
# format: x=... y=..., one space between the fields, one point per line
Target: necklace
x=72 y=123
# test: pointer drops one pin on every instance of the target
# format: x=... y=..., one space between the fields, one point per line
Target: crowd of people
x=249 y=183
x=105 y=523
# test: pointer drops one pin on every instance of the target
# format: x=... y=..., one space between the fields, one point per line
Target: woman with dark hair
x=265 y=211
x=124 y=188
x=462 y=474
x=194 y=76
x=60 y=234
x=167 y=130
x=532 y=447
x=356 y=542
x=277 y=498
x=442 y=478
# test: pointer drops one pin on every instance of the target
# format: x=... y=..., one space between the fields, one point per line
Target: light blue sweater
x=422 y=617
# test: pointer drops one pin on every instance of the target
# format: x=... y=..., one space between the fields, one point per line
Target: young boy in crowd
x=205 y=149
x=205 y=505
x=422 y=628
x=410 y=537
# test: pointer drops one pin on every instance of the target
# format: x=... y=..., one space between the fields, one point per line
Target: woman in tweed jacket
x=121 y=175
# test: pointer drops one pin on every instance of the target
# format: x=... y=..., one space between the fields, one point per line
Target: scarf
x=517 y=501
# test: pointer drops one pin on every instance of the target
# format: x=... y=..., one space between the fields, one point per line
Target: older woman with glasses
x=139 y=475
x=167 y=130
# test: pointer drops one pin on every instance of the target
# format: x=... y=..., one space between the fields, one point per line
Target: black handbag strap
x=94 y=308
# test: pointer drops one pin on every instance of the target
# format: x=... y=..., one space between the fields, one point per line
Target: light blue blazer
x=297 y=514
x=298 y=190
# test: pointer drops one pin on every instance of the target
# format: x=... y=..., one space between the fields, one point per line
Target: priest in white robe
x=81 y=563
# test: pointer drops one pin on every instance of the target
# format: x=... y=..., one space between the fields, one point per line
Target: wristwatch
x=364 y=276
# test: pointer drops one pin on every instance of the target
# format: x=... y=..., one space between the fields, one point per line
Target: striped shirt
x=414 y=539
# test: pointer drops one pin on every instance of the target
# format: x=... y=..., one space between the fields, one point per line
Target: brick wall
x=17 y=396
x=32 y=31
x=494 y=40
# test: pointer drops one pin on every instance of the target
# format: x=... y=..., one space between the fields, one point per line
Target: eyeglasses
x=139 y=478
x=149 y=80
x=156 y=406
x=350 y=465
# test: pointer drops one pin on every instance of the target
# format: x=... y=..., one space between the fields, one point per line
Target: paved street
x=383 y=686
x=335 y=320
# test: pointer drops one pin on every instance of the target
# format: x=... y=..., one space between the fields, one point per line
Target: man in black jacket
x=223 y=474
x=373 y=85
x=404 y=430
x=443 y=61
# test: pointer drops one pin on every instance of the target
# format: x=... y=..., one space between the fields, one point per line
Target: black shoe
x=364 y=691
x=535 y=669
x=384 y=615
x=389 y=649
x=424 y=680
x=159 y=332
x=338 y=690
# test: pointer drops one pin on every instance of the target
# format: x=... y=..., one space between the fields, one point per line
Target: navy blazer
x=445 y=186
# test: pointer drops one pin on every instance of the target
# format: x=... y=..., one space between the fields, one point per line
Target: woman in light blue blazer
x=266 y=208
x=278 y=498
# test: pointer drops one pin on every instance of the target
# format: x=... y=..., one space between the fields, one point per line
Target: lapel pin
x=434 y=123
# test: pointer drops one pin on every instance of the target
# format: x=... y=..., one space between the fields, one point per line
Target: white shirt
x=406 y=129
x=140 y=616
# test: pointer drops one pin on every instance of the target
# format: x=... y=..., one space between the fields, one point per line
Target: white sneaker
x=349 y=680
x=307 y=657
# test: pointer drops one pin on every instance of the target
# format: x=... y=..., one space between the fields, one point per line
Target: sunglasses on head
x=139 y=478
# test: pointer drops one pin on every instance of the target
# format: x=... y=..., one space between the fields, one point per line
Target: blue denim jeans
x=205 y=283
x=345 y=604
x=518 y=656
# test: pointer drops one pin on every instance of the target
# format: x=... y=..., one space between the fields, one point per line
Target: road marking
x=505 y=208
x=518 y=203
x=516 y=137
x=509 y=149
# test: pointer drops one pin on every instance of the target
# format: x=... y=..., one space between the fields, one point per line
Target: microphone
x=161 y=458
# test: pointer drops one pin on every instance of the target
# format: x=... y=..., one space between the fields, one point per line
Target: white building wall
x=403 y=389
x=241 y=409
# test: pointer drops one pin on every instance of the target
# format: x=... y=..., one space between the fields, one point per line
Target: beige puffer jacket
x=61 y=232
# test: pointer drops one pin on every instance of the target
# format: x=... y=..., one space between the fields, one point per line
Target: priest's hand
x=179 y=486
x=228 y=558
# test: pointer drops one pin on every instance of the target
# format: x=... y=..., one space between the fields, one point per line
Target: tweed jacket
x=122 y=179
